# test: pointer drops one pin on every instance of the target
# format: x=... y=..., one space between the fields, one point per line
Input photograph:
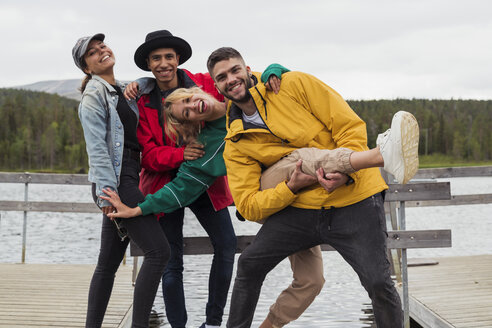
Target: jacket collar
x=108 y=86
x=236 y=113
x=235 y=124
x=156 y=95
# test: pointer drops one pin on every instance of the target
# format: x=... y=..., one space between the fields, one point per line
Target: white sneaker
x=399 y=147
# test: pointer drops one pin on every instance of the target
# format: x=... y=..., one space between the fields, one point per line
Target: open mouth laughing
x=201 y=106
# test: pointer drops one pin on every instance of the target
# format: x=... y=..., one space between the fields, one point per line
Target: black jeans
x=147 y=234
x=219 y=228
x=357 y=232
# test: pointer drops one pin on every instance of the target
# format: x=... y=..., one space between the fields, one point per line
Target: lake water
x=343 y=303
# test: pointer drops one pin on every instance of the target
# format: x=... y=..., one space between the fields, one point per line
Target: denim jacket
x=103 y=133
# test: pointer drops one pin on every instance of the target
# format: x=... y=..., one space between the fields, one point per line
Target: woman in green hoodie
x=206 y=125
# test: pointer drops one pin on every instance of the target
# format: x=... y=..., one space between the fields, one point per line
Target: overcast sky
x=367 y=49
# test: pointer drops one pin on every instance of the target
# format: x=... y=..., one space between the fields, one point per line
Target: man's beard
x=247 y=96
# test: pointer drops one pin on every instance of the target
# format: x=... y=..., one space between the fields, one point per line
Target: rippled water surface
x=74 y=238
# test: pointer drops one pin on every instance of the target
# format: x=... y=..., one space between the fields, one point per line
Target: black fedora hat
x=161 y=39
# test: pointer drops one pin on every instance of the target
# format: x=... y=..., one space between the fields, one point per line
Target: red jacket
x=160 y=156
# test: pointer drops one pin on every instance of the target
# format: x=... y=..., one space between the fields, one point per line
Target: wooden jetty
x=457 y=292
x=55 y=295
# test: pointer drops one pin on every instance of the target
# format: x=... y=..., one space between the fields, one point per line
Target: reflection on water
x=342 y=302
x=74 y=238
x=157 y=320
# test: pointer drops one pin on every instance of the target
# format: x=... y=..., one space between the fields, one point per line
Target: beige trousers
x=312 y=159
x=307 y=269
x=307 y=265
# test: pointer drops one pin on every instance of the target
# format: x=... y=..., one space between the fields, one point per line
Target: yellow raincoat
x=305 y=113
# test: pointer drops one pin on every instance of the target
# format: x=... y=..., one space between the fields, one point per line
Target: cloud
x=367 y=49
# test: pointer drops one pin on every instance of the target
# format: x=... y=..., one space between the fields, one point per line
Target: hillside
x=41 y=131
x=64 y=88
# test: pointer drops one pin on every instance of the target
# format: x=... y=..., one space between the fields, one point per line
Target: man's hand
x=331 y=181
x=193 y=151
x=273 y=84
x=299 y=179
x=131 y=91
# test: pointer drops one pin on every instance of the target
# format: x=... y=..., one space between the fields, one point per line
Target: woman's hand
x=122 y=211
x=107 y=209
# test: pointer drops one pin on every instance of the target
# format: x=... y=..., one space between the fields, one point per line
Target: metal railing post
x=134 y=270
x=392 y=219
x=404 y=269
x=24 y=225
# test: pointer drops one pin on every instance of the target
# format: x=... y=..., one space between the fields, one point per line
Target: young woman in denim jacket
x=109 y=123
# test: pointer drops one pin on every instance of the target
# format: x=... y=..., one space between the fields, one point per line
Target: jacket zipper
x=266 y=117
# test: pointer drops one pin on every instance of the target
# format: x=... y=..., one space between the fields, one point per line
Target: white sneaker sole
x=409 y=145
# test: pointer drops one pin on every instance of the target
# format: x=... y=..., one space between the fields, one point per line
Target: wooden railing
x=81 y=179
x=422 y=191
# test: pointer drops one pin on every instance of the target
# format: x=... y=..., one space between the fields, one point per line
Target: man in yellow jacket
x=345 y=212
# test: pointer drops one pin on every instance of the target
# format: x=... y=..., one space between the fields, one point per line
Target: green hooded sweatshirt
x=193 y=177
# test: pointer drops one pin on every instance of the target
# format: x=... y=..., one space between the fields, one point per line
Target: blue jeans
x=145 y=232
x=219 y=228
x=357 y=232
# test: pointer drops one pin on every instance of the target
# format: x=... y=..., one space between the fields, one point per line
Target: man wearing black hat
x=162 y=53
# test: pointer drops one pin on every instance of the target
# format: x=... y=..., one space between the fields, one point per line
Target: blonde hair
x=174 y=127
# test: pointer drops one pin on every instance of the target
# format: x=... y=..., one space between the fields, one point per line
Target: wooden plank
x=421 y=194
x=419 y=262
x=92 y=208
x=419 y=239
x=44 y=178
x=454 y=172
x=81 y=179
x=412 y=191
x=455 y=293
x=418 y=191
x=455 y=200
x=127 y=319
x=62 y=207
x=55 y=295
x=396 y=239
x=424 y=316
